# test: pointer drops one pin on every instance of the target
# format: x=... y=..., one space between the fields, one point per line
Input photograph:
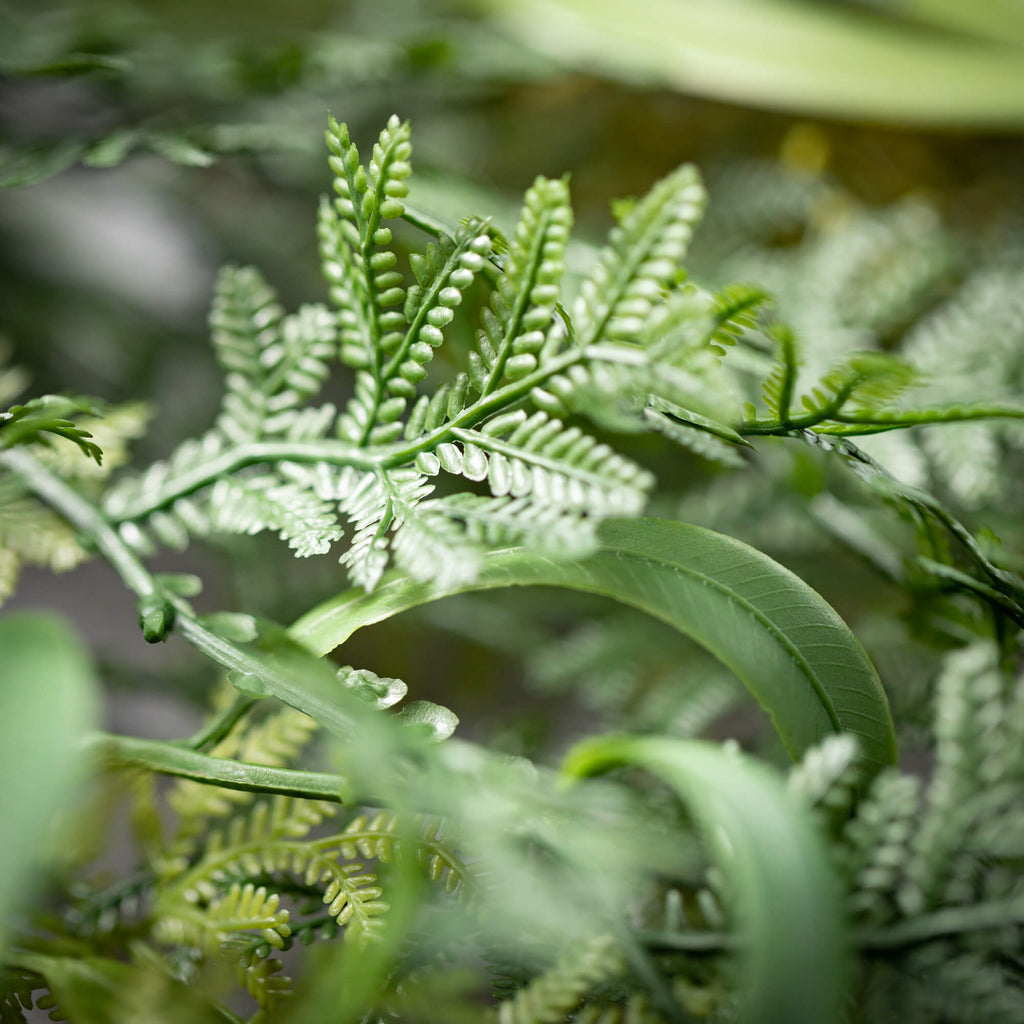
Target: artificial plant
x=466 y=461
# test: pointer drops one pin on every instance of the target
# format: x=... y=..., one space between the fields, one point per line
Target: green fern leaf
x=555 y=465
x=561 y=989
x=505 y=521
x=641 y=262
x=272 y=362
x=735 y=313
x=248 y=505
x=377 y=503
x=518 y=328
x=48 y=414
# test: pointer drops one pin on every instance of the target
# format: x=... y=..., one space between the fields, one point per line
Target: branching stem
x=315 y=701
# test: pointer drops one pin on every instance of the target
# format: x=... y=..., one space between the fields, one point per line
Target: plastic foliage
x=717 y=891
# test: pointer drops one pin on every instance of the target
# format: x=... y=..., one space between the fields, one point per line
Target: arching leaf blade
x=785 y=643
x=783 y=896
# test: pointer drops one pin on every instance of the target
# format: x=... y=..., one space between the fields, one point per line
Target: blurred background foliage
x=863 y=161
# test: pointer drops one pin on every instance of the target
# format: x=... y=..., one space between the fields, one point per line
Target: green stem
x=309 y=694
x=336 y=453
x=171 y=759
x=84 y=516
x=852 y=424
x=429 y=225
x=951 y=921
x=214 y=731
x=912 y=932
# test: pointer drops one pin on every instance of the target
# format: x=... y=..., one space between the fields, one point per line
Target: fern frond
x=264 y=980
x=539 y=456
x=969 y=988
x=275 y=741
x=735 y=313
x=31 y=533
x=505 y=521
x=877 y=842
x=864 y=381
x=378 y=838
x=431 y=546
x=826 y=778
x=271 y=362
x=249 y=505
x=550 y=997
x=781 y=381
x=242 y=908
x=518 y=327
x=971 y=344
x=636 y=269
x=112 y=432
x=942 y=868
x=376 y=504
x=49 y=414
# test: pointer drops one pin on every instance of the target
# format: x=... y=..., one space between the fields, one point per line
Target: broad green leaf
x=48 y=699
x=822 y=59
x=783 y=641
x=782 y=894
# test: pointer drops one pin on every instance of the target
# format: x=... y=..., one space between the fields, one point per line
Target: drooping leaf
x=781 y=638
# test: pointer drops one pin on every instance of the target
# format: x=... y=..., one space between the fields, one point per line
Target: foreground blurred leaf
x=778 y=880
x=47 y=702
x=821 y=59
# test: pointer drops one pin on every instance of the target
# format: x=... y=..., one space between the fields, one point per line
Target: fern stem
x=320 y=702
x=950 y=921
x=428 y=225
x=214 y=731
x=336 y=453
x=171 y=759
x=83 y=515
x=857 y=424
x=872 y=422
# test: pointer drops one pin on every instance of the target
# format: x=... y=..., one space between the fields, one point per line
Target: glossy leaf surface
x=785 y=643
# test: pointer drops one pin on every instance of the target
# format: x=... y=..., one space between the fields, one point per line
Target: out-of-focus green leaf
x=93 y=989
x=779 y=885
x=48 y=699
x=821 y=59
x=28 y=164
x=786 y=644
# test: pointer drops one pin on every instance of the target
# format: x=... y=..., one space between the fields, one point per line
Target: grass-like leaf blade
x=781 y=890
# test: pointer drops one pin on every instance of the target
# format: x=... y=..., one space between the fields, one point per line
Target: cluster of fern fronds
x=436 y=879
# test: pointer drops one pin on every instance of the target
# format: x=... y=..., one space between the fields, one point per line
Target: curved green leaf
x=47 y=702
x=781 y=639
x=820 y=59
x=784 y=898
